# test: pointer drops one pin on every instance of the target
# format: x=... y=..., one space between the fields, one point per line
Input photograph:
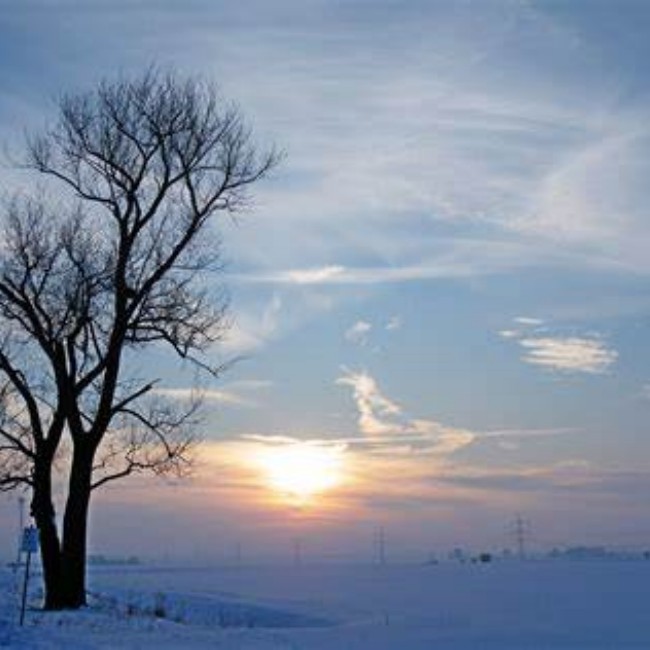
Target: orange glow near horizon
x=301 y=471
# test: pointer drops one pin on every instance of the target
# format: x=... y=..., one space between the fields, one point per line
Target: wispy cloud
x=252 y=328
x=393 y=323
x=587 y=353
x=358 y=332
x=571 y=354
x=526 y=320
x=250 y=384
x=549 y=149
x=373 y=406
x=208 y=395
x=560 y=478
x=528 y=433
x=514 y=439
x=457 y=258
x=458 y=144
x=318 y=275
x=234 y=393
x=553 y=478
x=390 y=430
x=509 y=334
x=342 y=275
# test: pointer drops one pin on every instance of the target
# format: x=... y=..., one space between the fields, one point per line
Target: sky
x=439 y=298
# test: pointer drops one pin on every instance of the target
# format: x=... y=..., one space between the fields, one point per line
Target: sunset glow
x=300 y=471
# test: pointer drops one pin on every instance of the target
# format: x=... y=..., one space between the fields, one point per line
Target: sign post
x=21 y=528
x=29 y=545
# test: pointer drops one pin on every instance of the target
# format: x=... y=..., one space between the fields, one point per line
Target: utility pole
x=379 y=545
x=297 y=551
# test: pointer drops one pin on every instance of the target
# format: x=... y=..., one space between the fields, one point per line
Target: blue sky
x=445 y=283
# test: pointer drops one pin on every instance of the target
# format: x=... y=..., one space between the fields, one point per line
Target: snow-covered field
x=502 y=605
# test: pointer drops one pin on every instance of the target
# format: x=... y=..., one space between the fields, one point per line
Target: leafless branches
x=117 y=263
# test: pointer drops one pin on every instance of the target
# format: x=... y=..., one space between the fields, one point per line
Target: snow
x=507 y=605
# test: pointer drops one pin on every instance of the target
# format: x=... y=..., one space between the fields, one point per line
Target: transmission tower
x=521 y=533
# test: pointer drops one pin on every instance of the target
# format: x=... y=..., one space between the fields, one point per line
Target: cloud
x=452 y=258
x=571 y=354
x=588 y=354
x=389 y=431
x=439 y=439
x=561 y=479
x=527 y=433
x=250 y=384
x=358 y=333
x=525 y=320
x=252 y=328
x=394 y=323
x=458 y=143
x=551 y=146
x=308 y=276
x=208 y=395
x=594 y=197
x=537 y=479
x=342 y=275
x=373 y=406
x=230 y=394
x=512 y=439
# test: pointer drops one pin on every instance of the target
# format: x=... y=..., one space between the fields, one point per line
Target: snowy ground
x=567 y=605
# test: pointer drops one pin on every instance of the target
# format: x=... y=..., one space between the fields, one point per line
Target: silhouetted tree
x=113 y=265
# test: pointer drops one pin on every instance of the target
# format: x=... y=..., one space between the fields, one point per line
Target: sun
x=302 y=470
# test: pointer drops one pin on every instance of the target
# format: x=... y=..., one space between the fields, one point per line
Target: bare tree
x=117 y=265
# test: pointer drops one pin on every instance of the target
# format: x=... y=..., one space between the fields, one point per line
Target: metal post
x=24 y=599
x=21 y=520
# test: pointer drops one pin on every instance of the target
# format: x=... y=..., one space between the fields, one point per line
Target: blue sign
x=30 y=540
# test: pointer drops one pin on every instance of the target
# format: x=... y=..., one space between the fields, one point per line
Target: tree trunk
x=42 y=510
x=75 y=528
